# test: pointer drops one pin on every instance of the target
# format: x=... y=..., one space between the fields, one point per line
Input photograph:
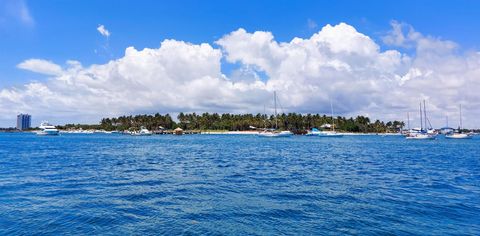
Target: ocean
x=80 y=184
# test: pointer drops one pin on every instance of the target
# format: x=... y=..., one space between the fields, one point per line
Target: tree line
x=241 y=122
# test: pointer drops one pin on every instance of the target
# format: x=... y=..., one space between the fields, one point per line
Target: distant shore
x=256 y=132
x=209 y=132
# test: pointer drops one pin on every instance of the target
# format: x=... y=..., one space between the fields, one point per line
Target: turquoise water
x=237 y=185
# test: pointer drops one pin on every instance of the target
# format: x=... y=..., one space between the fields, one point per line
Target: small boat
x=459 y=134
x=332 y=133
x=142 y=132
x=274 y=133
x=420 y=136
x=47 y=129
x=313 y=132
x=316 y=132
x=421 y=133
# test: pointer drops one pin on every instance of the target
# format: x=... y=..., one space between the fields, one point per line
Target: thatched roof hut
x=178 y=131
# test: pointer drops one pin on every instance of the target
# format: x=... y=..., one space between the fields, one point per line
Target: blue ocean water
x=237 y=185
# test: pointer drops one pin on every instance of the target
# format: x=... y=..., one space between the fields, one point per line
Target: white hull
x=421 y=137
x=329 y=135
x=275 y=134
x=312 y=132
x=459 y=136
x=319 y=133
x=141 y=133
x=50 y=133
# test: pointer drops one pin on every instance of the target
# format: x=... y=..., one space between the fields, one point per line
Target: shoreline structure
x=214 y=123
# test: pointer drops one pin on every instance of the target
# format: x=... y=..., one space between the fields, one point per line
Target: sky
x=79 y=61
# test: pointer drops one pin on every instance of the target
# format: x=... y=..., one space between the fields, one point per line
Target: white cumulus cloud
x=41 y=66
x=337 y=63
x=175 y=77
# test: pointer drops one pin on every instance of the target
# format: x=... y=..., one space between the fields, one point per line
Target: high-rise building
x=24 y=121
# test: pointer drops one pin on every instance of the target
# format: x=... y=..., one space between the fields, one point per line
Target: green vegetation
x=215 y=121
x=10 y=129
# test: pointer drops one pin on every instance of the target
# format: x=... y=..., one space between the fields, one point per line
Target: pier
x=173 y=132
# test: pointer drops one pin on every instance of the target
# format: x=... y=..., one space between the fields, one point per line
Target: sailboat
x=423 y=132
x=333 y=133
x=459 y=134
x=274 y=133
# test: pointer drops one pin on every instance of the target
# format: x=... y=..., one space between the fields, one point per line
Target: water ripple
x=237 y=185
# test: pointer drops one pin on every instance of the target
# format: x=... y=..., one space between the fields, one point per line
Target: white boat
x=47 y=129
x=313 y=132
x=272 y=133
x=142 y=132
x=316 y=132
x=420 y=136
x=459 y=134
x=421 y=133
x=332 y=133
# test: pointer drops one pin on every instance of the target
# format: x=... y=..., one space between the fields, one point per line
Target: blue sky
x=65 y=30
x=387 y=52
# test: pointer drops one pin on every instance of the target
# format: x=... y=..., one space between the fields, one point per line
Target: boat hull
x=275 y=134
x=48 y=133
x=421 y=137
x=330 y=135
x=326 y=134
x=459 y=136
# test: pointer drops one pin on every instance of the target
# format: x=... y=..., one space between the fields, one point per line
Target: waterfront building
x=24 y=121
x=178 y=131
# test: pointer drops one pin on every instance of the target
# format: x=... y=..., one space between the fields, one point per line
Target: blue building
x=24 y=121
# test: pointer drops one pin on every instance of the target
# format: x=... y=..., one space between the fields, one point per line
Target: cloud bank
x=337 y=64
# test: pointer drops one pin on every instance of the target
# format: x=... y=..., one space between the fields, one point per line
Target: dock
x=173 y=132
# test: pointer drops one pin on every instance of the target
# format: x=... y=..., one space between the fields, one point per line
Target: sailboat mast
x=265 y=114
x=425 y=114
x=461 y=125
x=333 y=120
x=408 y=120
x=275 y=103
x=421 y=119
